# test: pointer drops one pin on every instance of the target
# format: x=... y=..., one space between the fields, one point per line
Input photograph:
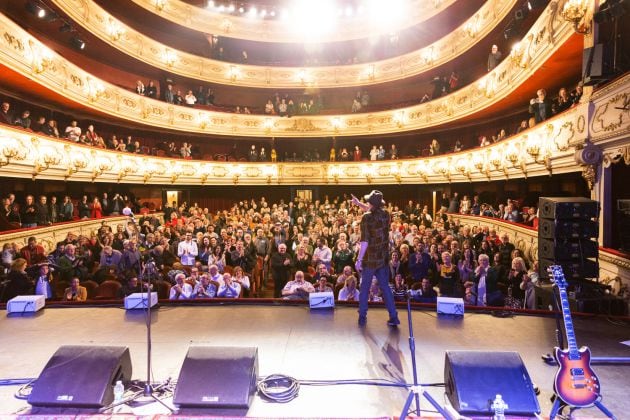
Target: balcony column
x=602 y=192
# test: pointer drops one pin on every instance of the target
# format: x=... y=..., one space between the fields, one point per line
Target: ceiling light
x=253 y=12
x=241 y=9
x=272 y=13
x=263 y=13
x=231 y=8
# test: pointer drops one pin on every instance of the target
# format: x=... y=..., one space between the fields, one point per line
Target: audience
x=434 y=255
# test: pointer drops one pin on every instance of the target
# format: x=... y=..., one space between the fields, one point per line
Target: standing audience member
x=494 y=58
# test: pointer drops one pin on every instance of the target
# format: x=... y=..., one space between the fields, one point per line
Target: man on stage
x=374 y=255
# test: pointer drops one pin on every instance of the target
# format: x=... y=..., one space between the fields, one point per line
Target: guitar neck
x=568 y=323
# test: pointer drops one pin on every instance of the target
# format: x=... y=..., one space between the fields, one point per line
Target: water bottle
x=499 y=406
x=119 y=391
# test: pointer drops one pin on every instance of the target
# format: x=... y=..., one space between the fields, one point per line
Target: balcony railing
x=210 y=22
x=24 y=54
x=124 y=38
x=543 y=150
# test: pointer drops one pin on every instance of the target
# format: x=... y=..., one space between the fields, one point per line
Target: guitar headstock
x=557 y=275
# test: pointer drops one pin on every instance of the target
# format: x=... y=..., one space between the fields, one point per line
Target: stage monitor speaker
x=474 y=378
x=561 y=208
x=567 y=249
x=81 y=376
x=567 y=229
x=217 y=377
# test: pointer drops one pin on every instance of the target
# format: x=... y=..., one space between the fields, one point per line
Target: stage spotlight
x=536 y=4
x=210 y=4
x=263 y=13
x=241 y=9
x=77 y=43
x=36 y=9
x=285 y=14
x=231 y=8
x=253 y=12
x=221 y=8
x=272 y=13
x=521 y=14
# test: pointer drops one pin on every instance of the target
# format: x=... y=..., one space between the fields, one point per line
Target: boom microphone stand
x=149 y=392
x=416 y=389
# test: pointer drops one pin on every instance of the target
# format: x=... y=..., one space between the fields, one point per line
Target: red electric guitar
x=575 y=382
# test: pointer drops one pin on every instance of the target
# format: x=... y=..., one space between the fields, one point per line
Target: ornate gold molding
x=124 y=38
x=527 y=154
x=209 y=22
x=77 y=85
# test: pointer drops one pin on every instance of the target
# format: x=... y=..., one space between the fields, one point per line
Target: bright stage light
x=211 y=4
x=312 y=19
x=285 y=14
x=349 y=11
x=263 y=13
x=231 y=8
x=253 y=12
x=241 y=9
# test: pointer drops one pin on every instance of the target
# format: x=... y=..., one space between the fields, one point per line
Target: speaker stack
x=567 y=236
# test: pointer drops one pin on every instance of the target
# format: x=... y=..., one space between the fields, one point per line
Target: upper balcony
x=550 y=42
x=306 y=22
x=138 y=46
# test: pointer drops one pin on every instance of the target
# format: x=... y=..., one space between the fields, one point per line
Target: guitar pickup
x=577 y=372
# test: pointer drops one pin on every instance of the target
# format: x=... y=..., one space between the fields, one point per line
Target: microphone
x=127 y=212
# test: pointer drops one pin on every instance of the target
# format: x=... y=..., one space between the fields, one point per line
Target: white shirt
x=481 y=291
x=185 y=294
x=187 y=251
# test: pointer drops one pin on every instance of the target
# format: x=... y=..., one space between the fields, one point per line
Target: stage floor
x=305 y=344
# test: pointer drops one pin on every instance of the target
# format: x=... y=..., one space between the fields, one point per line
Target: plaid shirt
x=375 y=231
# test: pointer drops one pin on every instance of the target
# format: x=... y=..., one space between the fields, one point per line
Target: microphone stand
x=416 y=389
x=149 y=392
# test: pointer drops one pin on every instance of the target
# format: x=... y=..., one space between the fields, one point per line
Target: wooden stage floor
x=305 y=344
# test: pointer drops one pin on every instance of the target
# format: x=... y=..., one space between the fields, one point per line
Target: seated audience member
x=322 y=285
x=448 y=277
x=229 y=288
x=434 y=148
x=204 y=289
x=485 y=284
x=180 y=290
x=214 y=274
x=531 y=217
x=399 y=288
x=375 y=294
x=71 y=265
x=76 y=292
x=347 y=272
x=33 y=253
x=243 y=280
x=297 y=288
x=349 y=291
x=18 y=281
x=426 y=293
x=42 y=282
x=133 y=285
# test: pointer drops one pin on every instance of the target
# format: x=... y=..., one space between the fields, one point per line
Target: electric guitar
x=575 y=382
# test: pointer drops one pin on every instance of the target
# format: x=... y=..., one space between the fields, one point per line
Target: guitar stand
x=559 y=406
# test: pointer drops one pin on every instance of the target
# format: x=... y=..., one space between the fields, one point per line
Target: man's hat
x=375 y=198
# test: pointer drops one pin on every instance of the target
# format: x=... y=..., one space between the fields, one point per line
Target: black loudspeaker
x=474 y=378
x=567 y=249
x=597 y=63
x=81 y=376
x=567 y=208
x=576 y=269
x=567 y=229
x=218 y=377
